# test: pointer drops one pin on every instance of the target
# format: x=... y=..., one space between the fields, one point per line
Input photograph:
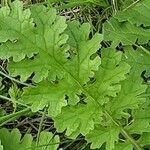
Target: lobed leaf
x=15 y=27
x=46 y=94
x=81 y=66
x=137 y=14
x=123 y=146
x=125 y=32
x=129 y=96
x=111 y=71
x=13 y=141
x=130 y=26
x=50 y=44
x=139 y=59
x=61 y=59
x=80 y=118
x=101 y=135
x=144 y=139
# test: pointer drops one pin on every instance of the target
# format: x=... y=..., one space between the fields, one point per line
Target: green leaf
x=81 y=65
x=129 y=96
x=101 y=135
x=123 y=146
x=78 y=69
x=51 y=59
x=63 y=64
x=127 y=25
x=48 y=141
x=13 y=141
x=137 y=14
x=111 y=71
x=144 y=139
x=139 y=59
x=132 y=89
x=15 y=28
x=80 y=118
x=125 y=32
x=49 y=43
x=141 y=122
x=46 y=94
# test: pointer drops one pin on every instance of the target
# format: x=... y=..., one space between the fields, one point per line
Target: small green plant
x=85 y=88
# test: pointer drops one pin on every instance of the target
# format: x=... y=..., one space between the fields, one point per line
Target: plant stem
x=114 y=6
x=124 y=133
x=40 y=125
x=134 y=3
x=144 y=50
x=17 y=81
x=14 y=116
x=127 y=136
x=9 y=99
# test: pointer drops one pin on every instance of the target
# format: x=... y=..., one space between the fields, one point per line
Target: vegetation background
x=95 y=12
